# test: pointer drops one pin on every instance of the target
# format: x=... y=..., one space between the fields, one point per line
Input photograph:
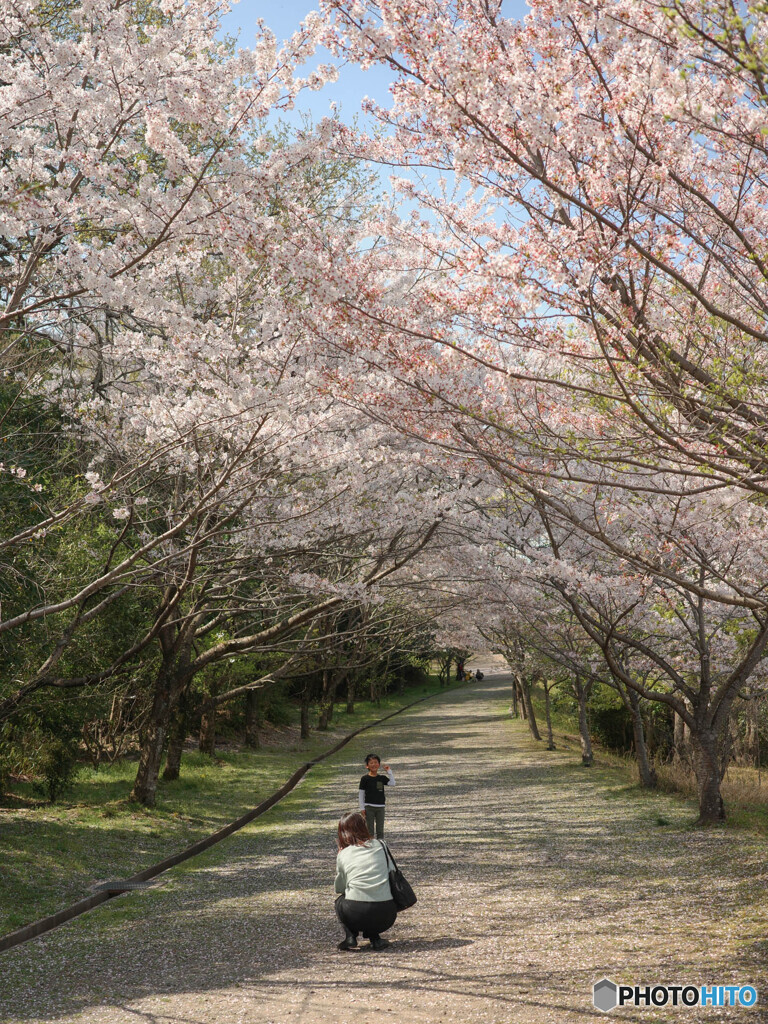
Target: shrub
x=413 y=674
x=277 y=709
x=612 y=727
x=57 y=764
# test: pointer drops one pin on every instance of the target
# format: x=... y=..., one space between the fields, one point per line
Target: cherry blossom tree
x=137 y=191
x=613 y=206
x=657 y=642
x=154 y=250
x=576 y=301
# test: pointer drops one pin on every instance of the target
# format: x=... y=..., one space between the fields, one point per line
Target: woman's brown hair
x=352 y=830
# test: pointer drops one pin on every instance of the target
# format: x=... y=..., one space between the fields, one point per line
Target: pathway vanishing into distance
x=535 y=878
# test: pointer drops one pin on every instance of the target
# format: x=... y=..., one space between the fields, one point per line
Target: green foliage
x=413 y=673
x=59 y=768
x=610 y=722
x=6 y=764
x=276 y=707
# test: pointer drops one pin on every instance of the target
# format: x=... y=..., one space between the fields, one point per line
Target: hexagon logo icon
x=604 y=995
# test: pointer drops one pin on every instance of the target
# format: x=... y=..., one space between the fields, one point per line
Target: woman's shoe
x=349 y=942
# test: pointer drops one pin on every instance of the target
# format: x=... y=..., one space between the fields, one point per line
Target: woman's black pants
x=362 y=916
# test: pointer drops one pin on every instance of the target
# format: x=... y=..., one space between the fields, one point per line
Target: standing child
x=371 y=793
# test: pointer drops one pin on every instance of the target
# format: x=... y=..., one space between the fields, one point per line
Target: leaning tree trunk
x=177 y=733
x=648 y=778
x=708 y=767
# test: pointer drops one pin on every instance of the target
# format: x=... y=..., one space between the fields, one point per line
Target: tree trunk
x=681 y=747
x=444 y=670
x=530 y=714
x=648 y=778
x=749 y=734
x=706 y=763
x=587 y=756
x=253 y=719
x=330 y=682
x=145 y=786
x=177 y=733
x=548 y=712
x=207 y=740
x=515 y=703
x=173 y=679
x=351 y=693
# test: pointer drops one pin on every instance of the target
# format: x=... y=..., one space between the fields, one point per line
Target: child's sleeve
x=390 y=776
x=361 y=796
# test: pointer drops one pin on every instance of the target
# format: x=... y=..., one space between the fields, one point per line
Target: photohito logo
x=607 y=995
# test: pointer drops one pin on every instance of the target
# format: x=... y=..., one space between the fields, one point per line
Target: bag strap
x=388 y=854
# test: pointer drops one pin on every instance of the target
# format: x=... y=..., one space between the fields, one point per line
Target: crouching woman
x=362 y=877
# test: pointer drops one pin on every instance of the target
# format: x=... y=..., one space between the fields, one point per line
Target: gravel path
x=535 y=878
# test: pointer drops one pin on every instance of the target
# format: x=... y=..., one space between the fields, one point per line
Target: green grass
x=746 y=802
x=52 y=854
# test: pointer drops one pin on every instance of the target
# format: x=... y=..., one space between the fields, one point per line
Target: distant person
x=362 y=878
x=460 y=669
x=371 y=793
x=479 y=675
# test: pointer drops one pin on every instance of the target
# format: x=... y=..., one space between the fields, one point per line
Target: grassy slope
x=53 y=854
x=744 y=794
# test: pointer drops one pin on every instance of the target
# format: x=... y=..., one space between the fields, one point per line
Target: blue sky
x=353 y=84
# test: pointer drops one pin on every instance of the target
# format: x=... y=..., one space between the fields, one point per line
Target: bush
x=612 y=727
x=277 y=709
x=413 y=674
x=58 y=766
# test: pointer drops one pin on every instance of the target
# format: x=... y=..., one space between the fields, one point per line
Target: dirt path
x=535 y=878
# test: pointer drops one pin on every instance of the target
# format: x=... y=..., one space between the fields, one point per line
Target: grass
x=745 y=795
x=54 y=853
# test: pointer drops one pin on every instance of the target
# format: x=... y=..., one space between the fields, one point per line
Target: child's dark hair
x=372 y=757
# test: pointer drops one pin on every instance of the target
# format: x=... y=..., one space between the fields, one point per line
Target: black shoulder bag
x=403 y=895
